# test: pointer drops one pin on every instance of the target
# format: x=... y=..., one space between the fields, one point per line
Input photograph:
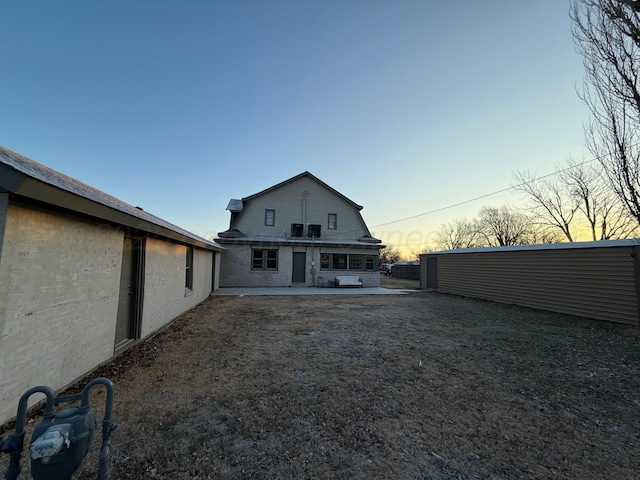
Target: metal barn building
x=591 y=279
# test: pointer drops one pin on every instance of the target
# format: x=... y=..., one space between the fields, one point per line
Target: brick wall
x=58 y=300
x=165 y=296
x=59 y=287
x=236 y=269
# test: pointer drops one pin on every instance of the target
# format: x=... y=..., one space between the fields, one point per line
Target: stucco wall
x=165 y=296
x=58 y=300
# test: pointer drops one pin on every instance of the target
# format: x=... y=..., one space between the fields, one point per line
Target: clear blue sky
x=404 y=106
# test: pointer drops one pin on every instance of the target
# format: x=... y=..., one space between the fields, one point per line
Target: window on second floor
x=269 y=217
x=333 y=221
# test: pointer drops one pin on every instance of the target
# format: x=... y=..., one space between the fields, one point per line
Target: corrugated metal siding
x=423 y=271
x=596 y=283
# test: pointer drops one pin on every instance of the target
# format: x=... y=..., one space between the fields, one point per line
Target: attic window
x=269 y=217
x=313 y=231
x=333 y=221
x=297 y=229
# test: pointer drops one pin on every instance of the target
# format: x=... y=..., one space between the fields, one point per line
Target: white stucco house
x=83 y=276
x=300 y=232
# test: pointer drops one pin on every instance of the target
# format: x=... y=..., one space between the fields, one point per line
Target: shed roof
x=631 y=242
x=29 y=179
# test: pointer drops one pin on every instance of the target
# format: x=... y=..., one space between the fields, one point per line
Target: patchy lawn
x=417 y=386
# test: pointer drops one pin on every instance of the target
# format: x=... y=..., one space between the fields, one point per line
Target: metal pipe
x=15 y=443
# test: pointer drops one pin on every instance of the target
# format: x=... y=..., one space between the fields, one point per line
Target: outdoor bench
x=348 y=281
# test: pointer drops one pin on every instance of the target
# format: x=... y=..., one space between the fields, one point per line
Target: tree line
x=576 y=203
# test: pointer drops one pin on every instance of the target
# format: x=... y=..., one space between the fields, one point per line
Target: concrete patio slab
x=307 y=291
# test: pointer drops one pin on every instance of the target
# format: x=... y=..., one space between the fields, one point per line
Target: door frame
x=302 y=267
x=138 y=248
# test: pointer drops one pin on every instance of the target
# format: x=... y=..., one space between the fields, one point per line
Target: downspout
x=304 y=214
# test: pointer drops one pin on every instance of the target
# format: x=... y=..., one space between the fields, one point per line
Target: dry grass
x=421 y=386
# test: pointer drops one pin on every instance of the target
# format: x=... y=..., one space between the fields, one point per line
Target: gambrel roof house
x=300 y=232
x=83 y=276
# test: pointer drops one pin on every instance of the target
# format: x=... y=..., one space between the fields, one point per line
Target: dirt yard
x=416 y=386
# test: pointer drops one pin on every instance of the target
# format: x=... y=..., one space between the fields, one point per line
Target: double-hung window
x=333 y=221
x=188 y=282
x=269 y=217
x=264 y=259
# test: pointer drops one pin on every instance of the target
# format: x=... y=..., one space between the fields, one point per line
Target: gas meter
x=61 y=441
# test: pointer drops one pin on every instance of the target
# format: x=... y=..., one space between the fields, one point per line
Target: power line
x=464 y=202
x=513 y=187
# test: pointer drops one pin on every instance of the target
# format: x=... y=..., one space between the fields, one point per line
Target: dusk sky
x=404 y=106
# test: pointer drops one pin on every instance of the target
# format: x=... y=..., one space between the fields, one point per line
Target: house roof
x=29 y=179
x=292 y=179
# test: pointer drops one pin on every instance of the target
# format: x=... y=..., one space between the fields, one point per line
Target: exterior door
x=299 y=262
x=130 y=286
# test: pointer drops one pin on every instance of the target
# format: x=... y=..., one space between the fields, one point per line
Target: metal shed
x=590 y=279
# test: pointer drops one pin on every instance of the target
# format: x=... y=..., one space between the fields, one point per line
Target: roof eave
x=40 y=191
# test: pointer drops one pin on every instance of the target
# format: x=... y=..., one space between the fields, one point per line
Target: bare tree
x=415 y=254
x=504 y=226
x=389 y=254
x=600 y=206
x=544 y=234
x=607 y=35
x=551 y=204
x=458 y=234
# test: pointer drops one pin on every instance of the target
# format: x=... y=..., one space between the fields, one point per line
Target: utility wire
x=513 y=187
